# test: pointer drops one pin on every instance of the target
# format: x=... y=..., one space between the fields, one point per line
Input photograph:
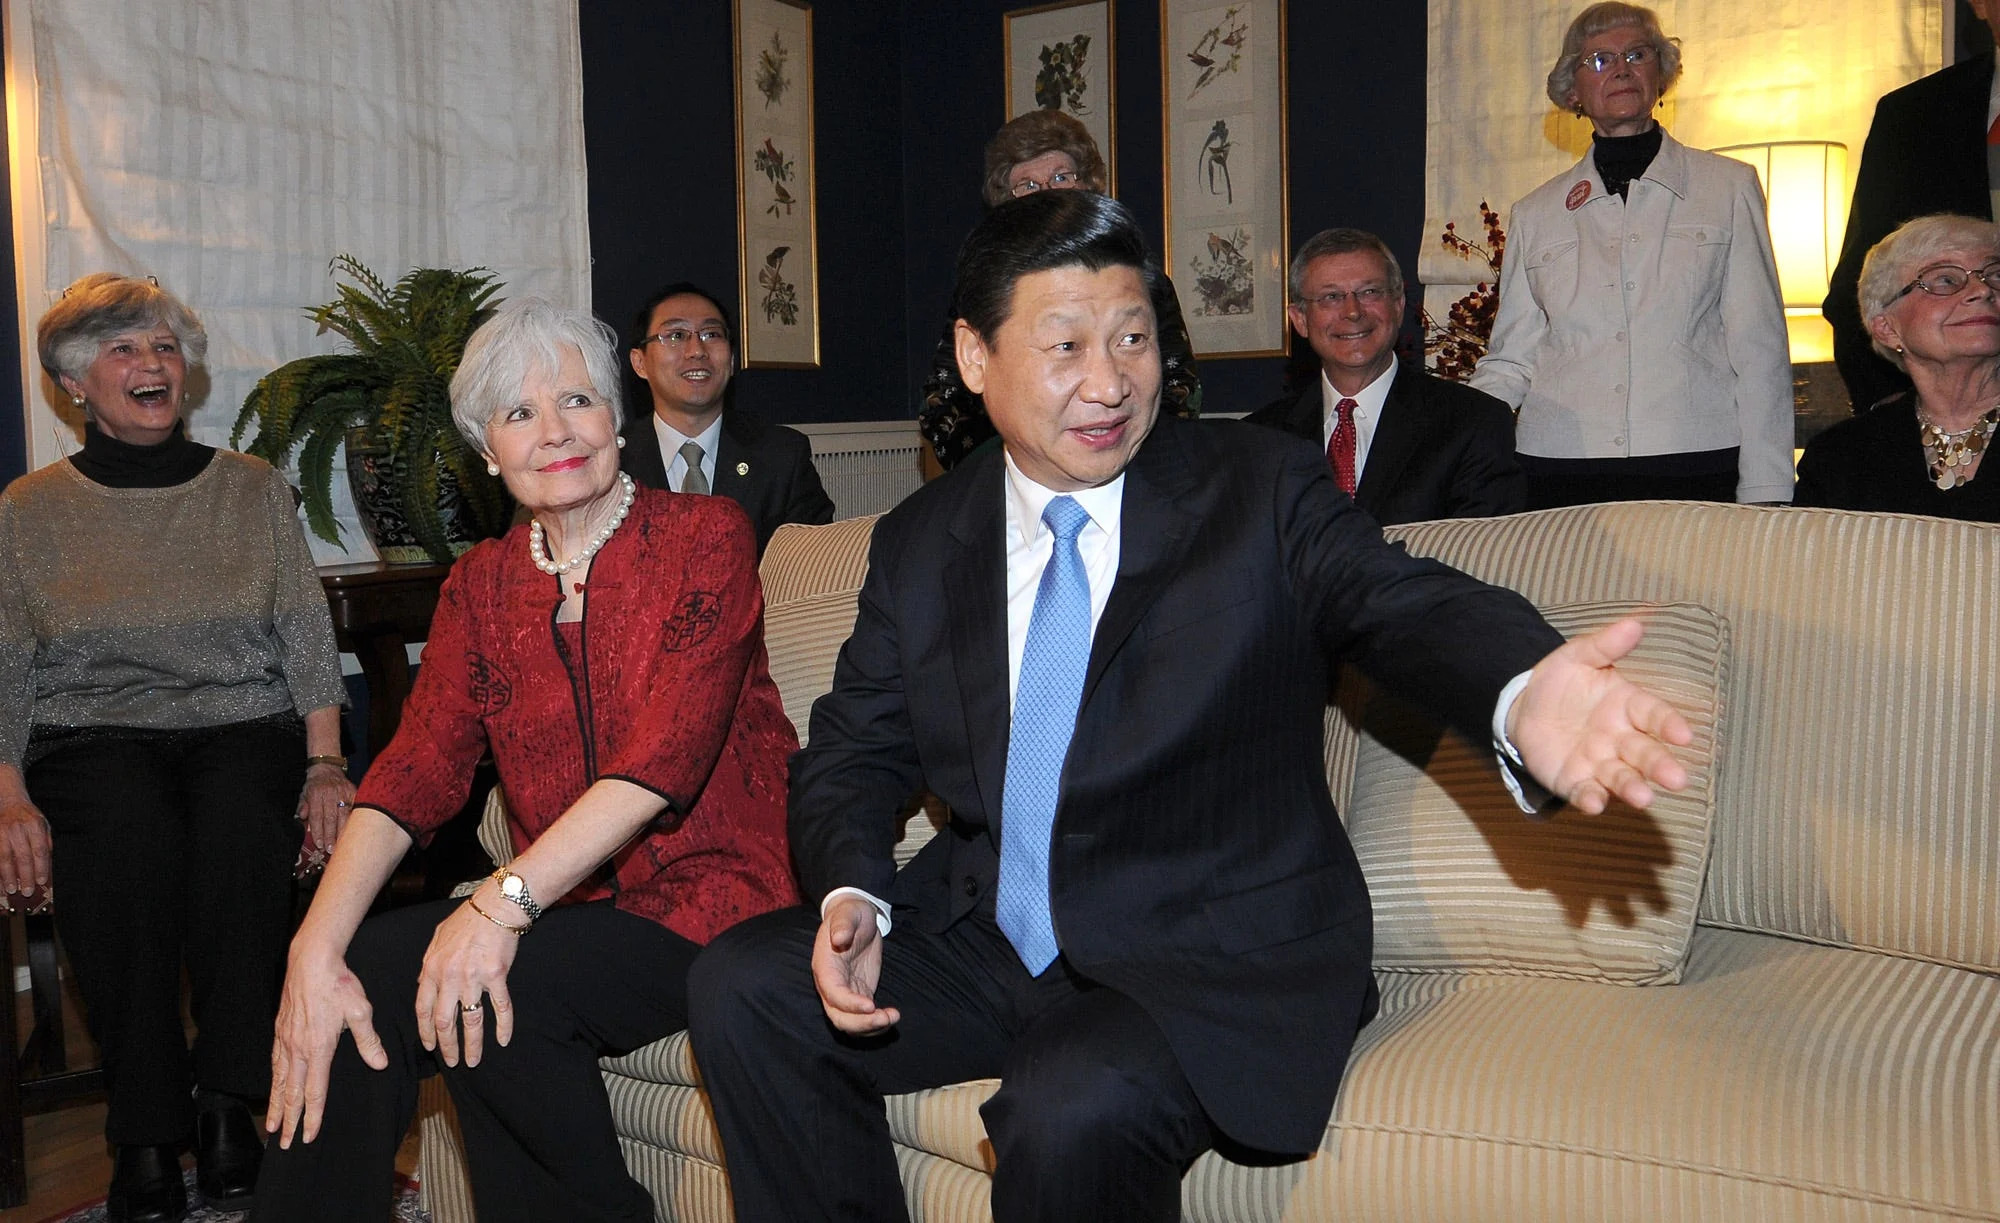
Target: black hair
x=1038 y=233
x=642 y=322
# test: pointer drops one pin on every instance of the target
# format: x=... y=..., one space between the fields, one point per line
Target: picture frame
x=1224 y=157
x=777 y=211
x=1062 y=56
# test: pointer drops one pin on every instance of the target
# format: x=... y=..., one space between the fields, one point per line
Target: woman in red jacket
x=610 y=655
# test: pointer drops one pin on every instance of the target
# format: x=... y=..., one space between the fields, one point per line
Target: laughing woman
x=169 y=703
x=610 y=654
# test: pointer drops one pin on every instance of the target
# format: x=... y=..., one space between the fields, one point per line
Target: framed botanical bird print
x=1222 y=69
x=777 y=220
x=1062 y=57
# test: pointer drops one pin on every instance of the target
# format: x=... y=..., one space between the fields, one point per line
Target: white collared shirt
x=671 y=441
x=1030 y=544
x=1368 y=403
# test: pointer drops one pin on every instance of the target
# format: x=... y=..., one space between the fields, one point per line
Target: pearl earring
x=493 y=469
x=77 y=400
x=621 y=441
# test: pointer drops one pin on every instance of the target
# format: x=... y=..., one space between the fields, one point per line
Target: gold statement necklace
x=1953 y=454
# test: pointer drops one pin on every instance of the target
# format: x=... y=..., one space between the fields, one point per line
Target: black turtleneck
x=115 y=464
x=1620 y=159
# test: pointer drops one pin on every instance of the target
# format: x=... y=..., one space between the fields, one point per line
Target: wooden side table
x=378 y=610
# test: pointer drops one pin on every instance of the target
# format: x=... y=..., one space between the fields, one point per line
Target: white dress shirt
x=671 y=441
x=1030 y=543
x=1368 y=403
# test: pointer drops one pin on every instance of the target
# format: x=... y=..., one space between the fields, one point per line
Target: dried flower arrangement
x=1456 y=344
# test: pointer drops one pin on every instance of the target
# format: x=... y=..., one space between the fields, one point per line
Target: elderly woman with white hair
x=1927 y=296
x=1640 y=331
x=169 y=715
x=610 y=655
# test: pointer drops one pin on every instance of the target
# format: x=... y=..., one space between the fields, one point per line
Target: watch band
x=515 y=888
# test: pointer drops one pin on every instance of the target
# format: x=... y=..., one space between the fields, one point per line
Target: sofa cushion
x=1856 y=794
x=1780 y=1081
x=804 y=560
x=1461 y=880
x=803 y=637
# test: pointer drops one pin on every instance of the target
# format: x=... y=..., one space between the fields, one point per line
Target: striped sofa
x=1821 y=1043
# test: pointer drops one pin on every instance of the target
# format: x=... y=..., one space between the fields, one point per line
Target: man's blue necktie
x=1045 y=705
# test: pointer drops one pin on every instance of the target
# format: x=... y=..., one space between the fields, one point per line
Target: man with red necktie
x=1405 y=445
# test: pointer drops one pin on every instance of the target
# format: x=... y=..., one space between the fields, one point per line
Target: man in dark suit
x=1926 y=153
x=1144 y=916
x=691 y=442
x=1406 y=446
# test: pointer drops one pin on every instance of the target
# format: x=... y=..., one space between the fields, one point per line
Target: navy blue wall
x=659 y=133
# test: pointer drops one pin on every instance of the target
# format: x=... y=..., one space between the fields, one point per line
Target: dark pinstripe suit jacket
x=1198 y=865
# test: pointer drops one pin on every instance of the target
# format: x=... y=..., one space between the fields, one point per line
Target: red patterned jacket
x=669 y=690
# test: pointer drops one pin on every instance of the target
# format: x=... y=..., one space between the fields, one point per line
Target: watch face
x=511 y=886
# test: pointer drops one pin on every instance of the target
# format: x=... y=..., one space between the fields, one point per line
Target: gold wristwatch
x=515 y=888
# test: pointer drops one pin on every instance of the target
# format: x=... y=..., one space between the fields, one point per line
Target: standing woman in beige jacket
x=1640 y=333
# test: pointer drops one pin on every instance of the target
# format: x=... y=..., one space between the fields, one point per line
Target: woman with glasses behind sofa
x=1928 y=299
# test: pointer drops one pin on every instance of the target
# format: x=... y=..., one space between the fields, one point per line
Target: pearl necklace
x=556 y=568
x=1953 y=454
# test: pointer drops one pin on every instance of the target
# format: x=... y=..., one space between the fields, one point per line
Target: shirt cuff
x=1529 y=795
x=881 y=908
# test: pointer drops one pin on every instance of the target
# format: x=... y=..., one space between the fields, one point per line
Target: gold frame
x=1276 y=13
x=748 y=343
x=1108 y=146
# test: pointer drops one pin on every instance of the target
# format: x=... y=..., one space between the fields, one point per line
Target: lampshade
x=1805 y=198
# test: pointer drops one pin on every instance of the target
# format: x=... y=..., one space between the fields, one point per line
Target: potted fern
x=421 y=492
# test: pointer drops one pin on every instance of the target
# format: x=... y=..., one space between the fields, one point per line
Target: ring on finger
x=471 y=1008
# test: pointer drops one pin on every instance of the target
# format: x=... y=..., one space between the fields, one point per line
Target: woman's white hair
x=1598 y=19
x=1911 y=247
x=526 y=335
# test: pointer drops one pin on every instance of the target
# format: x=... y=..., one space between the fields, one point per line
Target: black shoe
x=146 y=1186
x=228 y=1150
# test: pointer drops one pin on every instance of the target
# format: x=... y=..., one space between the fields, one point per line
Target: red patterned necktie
x=1340 y=447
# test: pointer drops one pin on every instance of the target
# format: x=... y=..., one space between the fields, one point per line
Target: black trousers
x=539 y=1146
x=1094 y=1118
x=1708 y=475
x=174 y=847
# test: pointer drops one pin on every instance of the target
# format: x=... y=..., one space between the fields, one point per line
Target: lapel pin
x=743 y=469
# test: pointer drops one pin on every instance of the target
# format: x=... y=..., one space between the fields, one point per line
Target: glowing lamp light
x=1805 y=198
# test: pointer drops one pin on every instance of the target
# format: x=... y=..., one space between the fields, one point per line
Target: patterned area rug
x=405 y=1210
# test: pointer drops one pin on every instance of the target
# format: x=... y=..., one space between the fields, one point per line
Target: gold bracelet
x=338 y=762
x=516 y=931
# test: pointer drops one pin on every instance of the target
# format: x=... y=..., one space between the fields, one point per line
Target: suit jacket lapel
x=1157 y=526
x=732 y=450
x=1397 y=433
x=975 y=595
x=641 y=457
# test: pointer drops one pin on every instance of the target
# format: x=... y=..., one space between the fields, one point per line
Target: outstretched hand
x=1591 y=735
x=321 y=1000
x=847 y=966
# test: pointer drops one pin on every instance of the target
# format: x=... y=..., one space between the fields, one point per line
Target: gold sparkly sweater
x=164 y=608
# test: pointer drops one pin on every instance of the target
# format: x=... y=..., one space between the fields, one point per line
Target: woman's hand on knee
x=462 y=989
x=24 y=854
x=321 y=1000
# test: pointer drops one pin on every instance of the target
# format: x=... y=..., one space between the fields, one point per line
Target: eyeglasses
x=1334 y=299
x=675 y=337
x=1949 y=280
x=1598 y=61
x=1058 y=180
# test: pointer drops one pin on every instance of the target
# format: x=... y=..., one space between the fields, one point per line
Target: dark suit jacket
x=776 y=484
x=1441 y=450
x=1198 y=865
x=1926 y=152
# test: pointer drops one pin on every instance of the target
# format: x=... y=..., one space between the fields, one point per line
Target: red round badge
x=1577 y=195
